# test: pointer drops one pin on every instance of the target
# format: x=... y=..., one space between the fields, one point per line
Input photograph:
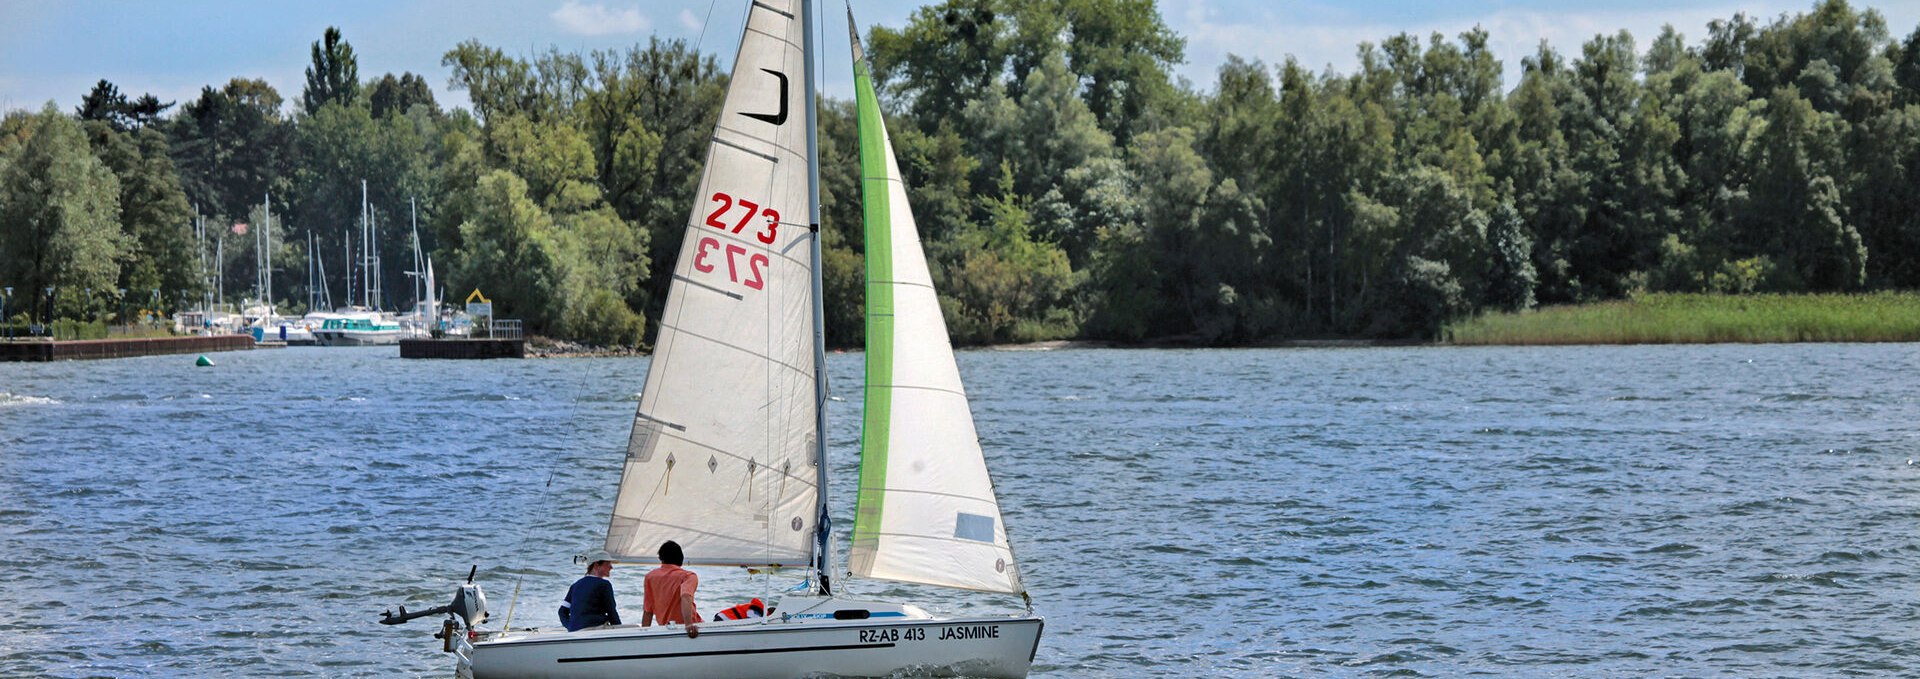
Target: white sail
x=722 y=456
x=926 y=511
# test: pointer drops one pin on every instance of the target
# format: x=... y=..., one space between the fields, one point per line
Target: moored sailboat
x=727 y=453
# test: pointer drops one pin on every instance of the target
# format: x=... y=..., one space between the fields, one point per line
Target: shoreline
x=1647 y=319
x=539 y=346
x=1694 y=318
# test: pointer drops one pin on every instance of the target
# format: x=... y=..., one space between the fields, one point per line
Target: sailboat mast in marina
x=727 y=454
x=366 y=324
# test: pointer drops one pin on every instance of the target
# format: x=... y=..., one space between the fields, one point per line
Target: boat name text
x=898 y=634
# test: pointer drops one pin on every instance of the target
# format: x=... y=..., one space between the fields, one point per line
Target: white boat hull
x=336 y=338
x=769 y=648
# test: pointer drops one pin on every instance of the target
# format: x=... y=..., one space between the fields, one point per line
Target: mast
x=200 y=236
x=324 y=300
x=266 y=258
x=379 y=285
x=346 y=257
x=366 y=274
x=220 y=263
x=823 y=537
x=419 y=277
x=259 y=269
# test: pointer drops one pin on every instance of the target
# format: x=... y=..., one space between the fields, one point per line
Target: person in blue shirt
x=589 y=602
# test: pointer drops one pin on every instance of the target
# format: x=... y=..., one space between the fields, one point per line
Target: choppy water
x=1632 y=511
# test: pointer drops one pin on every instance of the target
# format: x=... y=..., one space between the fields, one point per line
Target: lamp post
x=50 y=300
x=154 y=305
x=3 y=312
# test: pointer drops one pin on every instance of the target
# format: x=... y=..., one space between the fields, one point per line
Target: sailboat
x=364 y=325
x=728 y=450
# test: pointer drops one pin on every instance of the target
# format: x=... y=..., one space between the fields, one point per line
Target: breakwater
x=120 y=348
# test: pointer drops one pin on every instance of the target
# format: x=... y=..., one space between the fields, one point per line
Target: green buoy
x=204 y=362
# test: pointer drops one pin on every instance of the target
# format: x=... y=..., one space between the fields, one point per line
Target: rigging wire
x=704 y=23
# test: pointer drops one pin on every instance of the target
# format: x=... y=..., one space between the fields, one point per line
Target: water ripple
x=1433 y=512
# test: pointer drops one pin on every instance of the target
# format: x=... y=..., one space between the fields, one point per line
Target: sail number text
x=751 y=272
x=756 y=264
x=718 y=218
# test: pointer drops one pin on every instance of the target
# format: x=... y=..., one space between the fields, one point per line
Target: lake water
x=1609 y=511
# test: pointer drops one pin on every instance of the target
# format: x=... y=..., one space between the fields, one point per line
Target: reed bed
x=1667 y=318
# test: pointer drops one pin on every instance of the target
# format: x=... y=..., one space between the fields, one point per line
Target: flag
x=240 y=228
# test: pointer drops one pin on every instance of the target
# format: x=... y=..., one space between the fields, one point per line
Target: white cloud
x=691 y=22
x=584 y=19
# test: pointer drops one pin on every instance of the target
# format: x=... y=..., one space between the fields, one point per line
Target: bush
x=603 y=319
x=68 y=329
x=1430 y=298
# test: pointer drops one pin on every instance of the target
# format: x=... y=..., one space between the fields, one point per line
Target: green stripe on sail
x=875 y=436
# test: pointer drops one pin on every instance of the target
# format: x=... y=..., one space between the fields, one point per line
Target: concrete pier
x=463 y=348
x=80 y=350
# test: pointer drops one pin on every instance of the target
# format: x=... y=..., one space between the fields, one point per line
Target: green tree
x=334 y=76
x=231 y=146
x=1906 y=68
x=1600 y=120
x=649 y=120
x=341 y=146
x=945 y=57
x=1434 y=246
x=1510 y=274
x=398 y=95
x=153 y=212
x=1207 y=243
x=546 y=88
x=1122 y=50
x=1548 y=191
x=105 y=103
x=508 y=249
x=554 y=158
x=59 y=214
x=1794 y=213
x=601 y=258
x=1884 y=191
x=842 y=228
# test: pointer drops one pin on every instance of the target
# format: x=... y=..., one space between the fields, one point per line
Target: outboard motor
x=469 y=604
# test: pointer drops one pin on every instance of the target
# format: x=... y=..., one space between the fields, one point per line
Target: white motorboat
x=280 y=329
x=355 y=328
x=727 y=452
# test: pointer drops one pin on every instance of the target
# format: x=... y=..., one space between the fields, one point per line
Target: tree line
x=1065 y=182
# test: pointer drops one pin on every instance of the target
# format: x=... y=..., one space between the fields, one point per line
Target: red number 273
x=717 y=218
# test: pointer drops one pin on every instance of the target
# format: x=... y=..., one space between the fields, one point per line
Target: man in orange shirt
x=668 y=593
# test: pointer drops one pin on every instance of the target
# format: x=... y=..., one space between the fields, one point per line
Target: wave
x=11 y=399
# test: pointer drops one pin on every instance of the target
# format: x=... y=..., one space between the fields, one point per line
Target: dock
x=514 y=347
x=83 y=350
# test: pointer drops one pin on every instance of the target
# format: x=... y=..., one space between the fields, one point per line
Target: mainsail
x=722 y=456
x=926 y=511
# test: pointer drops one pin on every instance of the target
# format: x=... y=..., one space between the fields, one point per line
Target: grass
x=1703 y=319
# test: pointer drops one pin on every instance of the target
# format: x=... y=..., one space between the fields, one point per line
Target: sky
x=57 y=50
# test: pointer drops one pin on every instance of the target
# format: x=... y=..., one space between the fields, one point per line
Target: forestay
x=722 y=455
x=926 y=511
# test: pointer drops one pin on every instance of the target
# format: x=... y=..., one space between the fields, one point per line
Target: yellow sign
x=476 y=295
